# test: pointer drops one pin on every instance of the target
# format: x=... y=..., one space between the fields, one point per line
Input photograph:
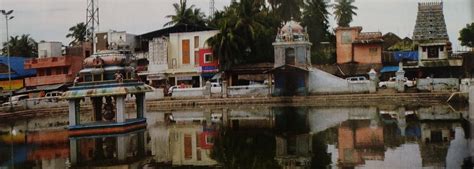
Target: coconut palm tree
x=78 y=33
x=343 y=12
x=315 y=18
x=186 y=15
x=23 y=46
x=287 y=9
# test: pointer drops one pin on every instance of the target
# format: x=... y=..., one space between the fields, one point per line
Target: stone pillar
x=224 y=89
x=73 y=151
x=74 y=112
x=140 y=103
x=120 y=104
x=207 y=90
x=122 y=147
x=400 y=76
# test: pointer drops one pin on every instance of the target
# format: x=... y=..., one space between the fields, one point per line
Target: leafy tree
x=185 y=15
x=316 y=20
x=241 y=149
x=287 y=9
x=343 y=12
x=78 y=33
x=467 y=35
x=247 y=30
x=23 y=46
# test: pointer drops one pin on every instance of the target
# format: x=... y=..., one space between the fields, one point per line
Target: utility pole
x=92 y=21
x=212 y=8
x=7 y=18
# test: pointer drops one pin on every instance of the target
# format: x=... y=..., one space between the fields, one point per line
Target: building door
x=185 y=51
x=433 y=52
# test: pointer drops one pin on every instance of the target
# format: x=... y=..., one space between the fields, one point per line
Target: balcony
x=51 y=62
x=47 y=80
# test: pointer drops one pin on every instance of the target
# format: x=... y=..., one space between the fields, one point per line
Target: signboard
x=206 y=69
x=15 y=84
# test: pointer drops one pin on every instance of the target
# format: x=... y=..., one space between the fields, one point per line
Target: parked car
x=53 y=96
x=16 y=99
x=391 y=83
x=356 y=78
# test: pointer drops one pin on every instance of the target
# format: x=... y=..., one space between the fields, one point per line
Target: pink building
x=356 y=46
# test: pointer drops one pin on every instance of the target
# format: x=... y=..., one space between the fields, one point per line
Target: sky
x=50 y=20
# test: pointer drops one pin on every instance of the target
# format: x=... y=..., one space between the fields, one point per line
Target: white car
x=392 y=82
x=16 y=99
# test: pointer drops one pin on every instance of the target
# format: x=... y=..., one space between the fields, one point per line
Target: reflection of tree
x=321 y=157
x=234 y=149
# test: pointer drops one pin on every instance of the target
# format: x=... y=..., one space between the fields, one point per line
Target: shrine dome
x=294 y=26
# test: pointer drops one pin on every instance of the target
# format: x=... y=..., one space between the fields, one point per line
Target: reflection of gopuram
x=107 y=79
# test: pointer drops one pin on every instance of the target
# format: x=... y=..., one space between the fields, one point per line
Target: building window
x=65 y=70
x=346 y=37
x=188 y=147
x=373 y=51
x=196 y=58
x=208 y=58
x=424 y=49
x=185 y=51
x=290 y=56
x=441 y=48
x=196 y=42
x=48 y=72
x=209 y=140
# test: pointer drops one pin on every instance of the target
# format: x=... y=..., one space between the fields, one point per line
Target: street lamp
x=7 y=18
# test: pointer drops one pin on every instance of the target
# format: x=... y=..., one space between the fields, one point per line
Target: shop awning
x=217 y=76
x=41 y=88
x=389 y=69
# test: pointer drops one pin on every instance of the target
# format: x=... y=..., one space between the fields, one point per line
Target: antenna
x=212 y=8
x=92 y=20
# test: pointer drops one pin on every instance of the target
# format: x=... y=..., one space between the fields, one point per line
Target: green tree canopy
x=343 y=12
x=247 y=30
x=77 y=33
x=186 y=15
x=23 y=46
x=467 y=35
x=287 y=9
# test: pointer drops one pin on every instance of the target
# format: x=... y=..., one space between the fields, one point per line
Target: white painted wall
x=437 y=84
x=49 y=49
x=250 y=90
x=321 y=82
x=175 y=47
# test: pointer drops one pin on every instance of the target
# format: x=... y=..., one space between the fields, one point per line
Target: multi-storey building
x=53 y=69
x=174 y=55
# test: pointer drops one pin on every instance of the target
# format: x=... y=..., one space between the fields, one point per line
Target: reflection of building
x=124 y=150
x=293 y=141
x=190 y=144
x=436 y=138
x=360 y=140
x=294 y=152
x=51 y=148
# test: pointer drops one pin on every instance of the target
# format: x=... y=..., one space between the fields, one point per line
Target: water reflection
x=256 y=137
